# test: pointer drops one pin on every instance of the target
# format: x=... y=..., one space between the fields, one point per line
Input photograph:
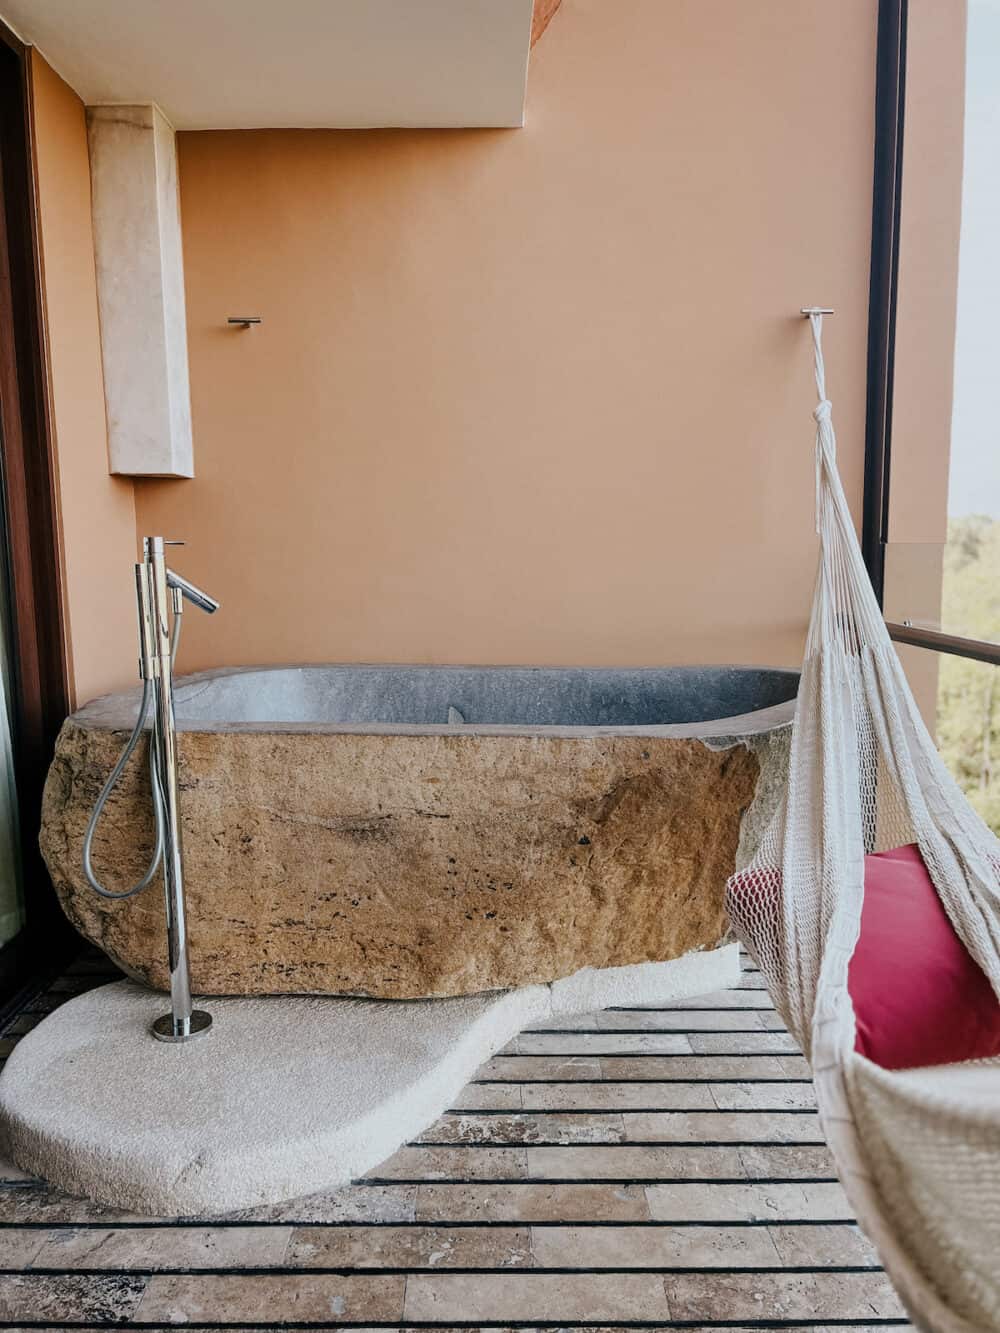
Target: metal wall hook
x=244 y=321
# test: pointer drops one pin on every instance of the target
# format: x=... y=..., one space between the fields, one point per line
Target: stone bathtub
x=399 y=831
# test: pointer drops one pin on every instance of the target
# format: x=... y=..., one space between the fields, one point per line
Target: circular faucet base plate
x=164 y=1029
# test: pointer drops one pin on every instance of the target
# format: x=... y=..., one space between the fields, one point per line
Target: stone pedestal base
x=285 y=1095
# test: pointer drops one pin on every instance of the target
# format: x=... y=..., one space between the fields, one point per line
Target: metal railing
x=979 y=650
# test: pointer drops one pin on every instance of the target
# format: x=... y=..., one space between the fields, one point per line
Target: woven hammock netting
x=917 y=1151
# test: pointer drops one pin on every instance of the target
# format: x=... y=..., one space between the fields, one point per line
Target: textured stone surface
x=401 y=865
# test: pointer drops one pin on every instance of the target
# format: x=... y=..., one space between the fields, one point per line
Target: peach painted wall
x=97 y=512
x=536 y=395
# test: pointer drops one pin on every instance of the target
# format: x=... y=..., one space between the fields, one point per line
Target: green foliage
x=968 y=730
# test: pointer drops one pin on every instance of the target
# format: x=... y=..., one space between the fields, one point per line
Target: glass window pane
x=968 y=722
x=971 y=570
x=968 y=731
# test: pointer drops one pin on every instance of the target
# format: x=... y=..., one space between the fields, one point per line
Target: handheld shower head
x=192 y=592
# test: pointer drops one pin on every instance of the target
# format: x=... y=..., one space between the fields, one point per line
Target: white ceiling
x=248 y=64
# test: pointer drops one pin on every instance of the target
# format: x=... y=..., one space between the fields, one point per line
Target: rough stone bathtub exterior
x=342 y=835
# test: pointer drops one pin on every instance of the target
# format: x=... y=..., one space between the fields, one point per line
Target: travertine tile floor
x=637 y=1168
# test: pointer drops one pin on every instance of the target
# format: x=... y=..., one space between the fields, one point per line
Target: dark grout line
x=396 y=1270
x=630 y=1143
x=610 y=1082
x=652 y=1055
x=514 y=1111
x=649 y=1032
x=681 y=1008
x=432 y=1224
x=600 y=1180
x=477 y=1326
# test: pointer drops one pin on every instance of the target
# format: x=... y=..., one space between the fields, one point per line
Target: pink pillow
x=919 y=997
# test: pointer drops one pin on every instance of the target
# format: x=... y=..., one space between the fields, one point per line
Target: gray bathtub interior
x=362 y=697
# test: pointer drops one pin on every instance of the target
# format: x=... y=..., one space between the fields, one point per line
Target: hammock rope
x=918 y=1151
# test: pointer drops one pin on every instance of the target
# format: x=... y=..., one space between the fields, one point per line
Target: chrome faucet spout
x=195 y=595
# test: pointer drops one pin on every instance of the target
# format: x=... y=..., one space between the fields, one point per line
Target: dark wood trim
x=979 y=650
x=890 y=101
x=38 y=649
x=10 y=39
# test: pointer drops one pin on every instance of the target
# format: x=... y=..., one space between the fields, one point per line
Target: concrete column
x=140 y=285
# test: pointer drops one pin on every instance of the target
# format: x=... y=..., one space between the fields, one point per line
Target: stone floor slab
x=748 y=1203
x=528 y=1069
x=488 y=1097
x=627 y=1162
x=532 y=1203
x=722 y=1043
x=410 y=1247
x=618 y=1096
x=536 y=1296
x=320 y=1298
x=156 y=1247
x=723 y=1127
x=764 y=1096
x=554 y=1127
x=30 y=1298
x=822 y=1246
x=419 y=1163
x=776 y=1296
x=597 y=1043
x=691 y=1020
x=654 y=1247
x=704 y=1068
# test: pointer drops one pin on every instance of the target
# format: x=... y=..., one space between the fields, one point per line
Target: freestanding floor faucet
x=159 y=590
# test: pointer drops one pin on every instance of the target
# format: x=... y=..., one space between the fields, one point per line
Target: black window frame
x=890 y=110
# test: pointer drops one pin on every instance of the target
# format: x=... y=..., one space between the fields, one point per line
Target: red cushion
x=919 y=997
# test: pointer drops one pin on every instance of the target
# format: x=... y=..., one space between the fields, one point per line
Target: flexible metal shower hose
x=112 y=782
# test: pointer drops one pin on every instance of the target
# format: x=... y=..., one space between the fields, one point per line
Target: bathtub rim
x=117 y=711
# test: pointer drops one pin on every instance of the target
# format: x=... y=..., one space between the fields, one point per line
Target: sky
x=974 y=481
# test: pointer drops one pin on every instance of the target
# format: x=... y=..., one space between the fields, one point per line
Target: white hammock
x=918 y=1151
